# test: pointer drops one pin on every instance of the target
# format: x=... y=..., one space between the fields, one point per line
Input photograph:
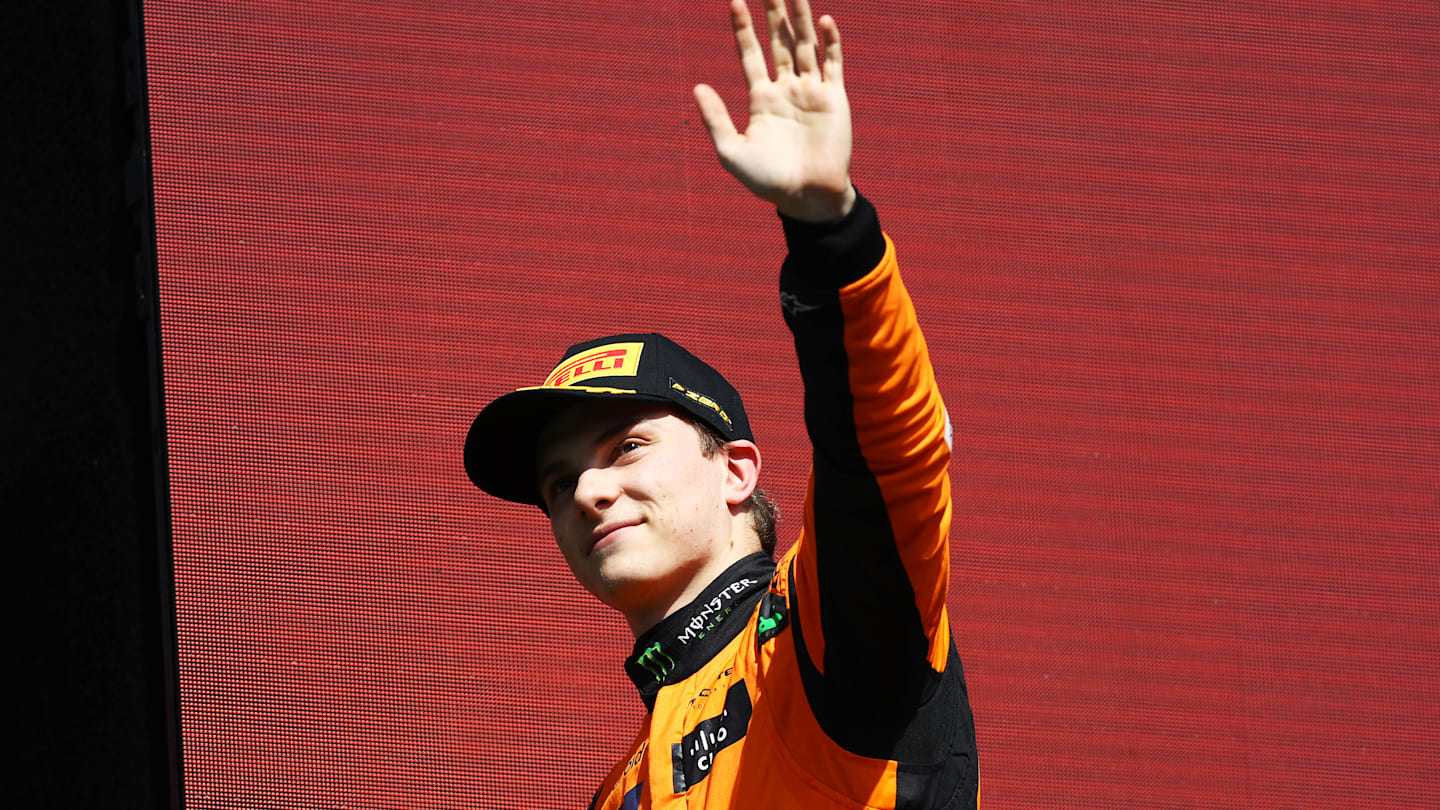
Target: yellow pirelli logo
x=610 y=360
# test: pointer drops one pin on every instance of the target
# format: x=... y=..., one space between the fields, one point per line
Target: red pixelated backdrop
x=1176 y=263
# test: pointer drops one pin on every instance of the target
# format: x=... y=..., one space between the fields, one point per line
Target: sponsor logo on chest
x=693 y=757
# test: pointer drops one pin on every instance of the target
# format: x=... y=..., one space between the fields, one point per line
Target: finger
x=752 y=59
x=782 y=37
x=830 y=38
x=713 y=113
x=805 y=58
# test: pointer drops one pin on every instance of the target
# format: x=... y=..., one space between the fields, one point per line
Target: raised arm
x=870 y=570
x=795 y=150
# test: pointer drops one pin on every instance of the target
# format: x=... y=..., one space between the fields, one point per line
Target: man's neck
x=642 y=620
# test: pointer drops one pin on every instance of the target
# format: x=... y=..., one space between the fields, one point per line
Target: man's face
x=638 y=510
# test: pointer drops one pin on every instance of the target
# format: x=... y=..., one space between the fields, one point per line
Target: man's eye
x=558 y=487
x=622 y=449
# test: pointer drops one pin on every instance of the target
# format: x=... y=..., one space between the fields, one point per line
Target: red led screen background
x=1177 y=267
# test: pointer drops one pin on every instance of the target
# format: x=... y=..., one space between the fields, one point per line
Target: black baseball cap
x=500 y=448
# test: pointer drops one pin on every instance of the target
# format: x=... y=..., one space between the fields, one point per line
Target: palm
x=795 y=151
x=798 y=137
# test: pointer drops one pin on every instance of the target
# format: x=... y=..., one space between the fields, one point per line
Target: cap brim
x=501 y=445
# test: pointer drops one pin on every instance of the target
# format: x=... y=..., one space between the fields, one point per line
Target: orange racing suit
x=830 y=679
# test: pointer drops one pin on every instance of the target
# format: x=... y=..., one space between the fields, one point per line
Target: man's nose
x=596 y=489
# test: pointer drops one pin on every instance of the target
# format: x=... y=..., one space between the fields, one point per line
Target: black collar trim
x=684 y=641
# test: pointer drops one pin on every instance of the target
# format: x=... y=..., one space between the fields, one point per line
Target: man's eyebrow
x=620 y=426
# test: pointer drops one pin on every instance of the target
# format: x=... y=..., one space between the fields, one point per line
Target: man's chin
x=624 y=579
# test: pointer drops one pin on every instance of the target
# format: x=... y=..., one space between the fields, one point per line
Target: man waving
x=828 y=679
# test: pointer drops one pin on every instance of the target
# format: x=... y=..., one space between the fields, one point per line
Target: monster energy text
x=714 y=611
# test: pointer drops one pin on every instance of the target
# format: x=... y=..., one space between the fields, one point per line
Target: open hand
x=795 y=152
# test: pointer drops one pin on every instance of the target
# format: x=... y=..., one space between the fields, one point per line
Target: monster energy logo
x=656 y=662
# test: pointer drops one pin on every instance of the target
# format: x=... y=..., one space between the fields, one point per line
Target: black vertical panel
x=92 y=622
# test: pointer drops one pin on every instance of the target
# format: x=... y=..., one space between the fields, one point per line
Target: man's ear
x=742 y=470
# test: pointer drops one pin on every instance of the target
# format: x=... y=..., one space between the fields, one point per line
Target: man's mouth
x=607 y=532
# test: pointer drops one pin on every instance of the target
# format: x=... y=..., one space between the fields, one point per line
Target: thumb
x=714 y=114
